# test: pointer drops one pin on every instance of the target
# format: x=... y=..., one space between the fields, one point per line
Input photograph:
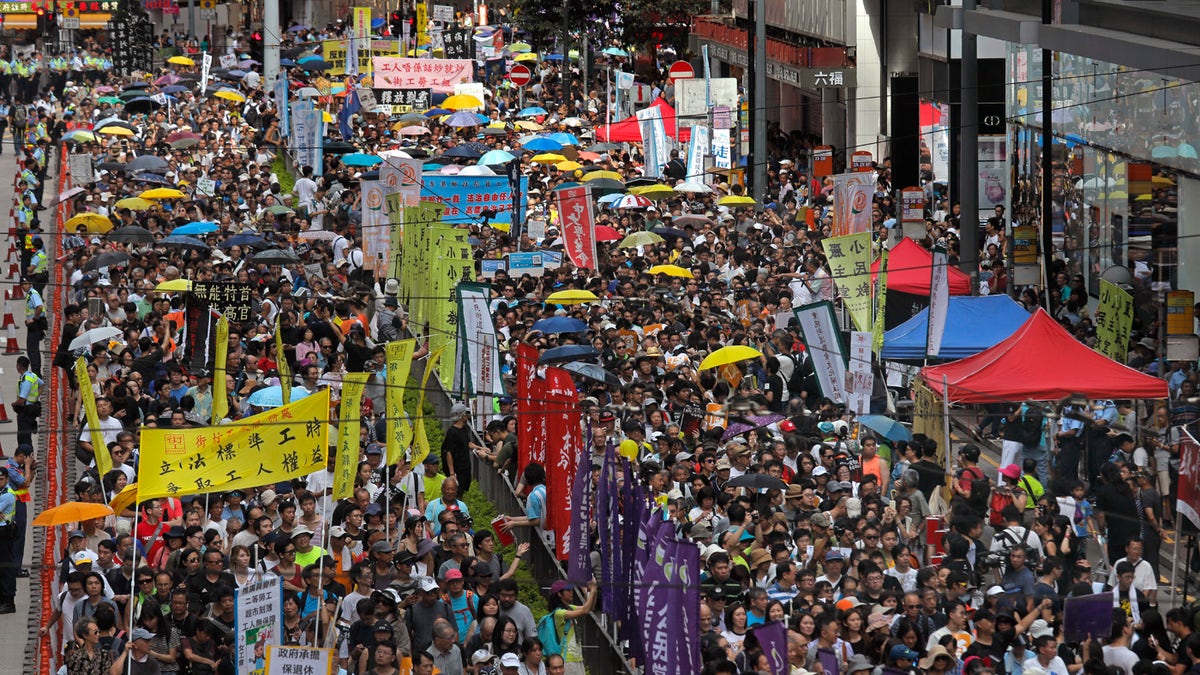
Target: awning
x=20 y=21
x=94 y=19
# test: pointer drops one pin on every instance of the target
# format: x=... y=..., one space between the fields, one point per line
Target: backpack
x=996 y=507
x=1030 y=432
x=20 y=118
x=547 y=632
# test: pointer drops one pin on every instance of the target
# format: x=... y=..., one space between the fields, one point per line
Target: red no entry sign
x=681 y=70
x=520 y=74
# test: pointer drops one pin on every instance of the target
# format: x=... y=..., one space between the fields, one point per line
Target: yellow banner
x=1114 y=320
x=281 y=365
x=220 y=404
x=335 y=51
x=276 y=445
x=399 y=429
x=420 y=440
x=850 y=262
x=349 y=430
x=99 y=448
x=928 y=418
x=422 y=24
x=362 y=23
x=880 y=304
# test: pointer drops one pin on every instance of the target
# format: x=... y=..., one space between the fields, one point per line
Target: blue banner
x=467 y=197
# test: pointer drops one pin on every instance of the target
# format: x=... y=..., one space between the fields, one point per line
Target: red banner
x=531 y=394
x=565 y=440
x=1189 y=478
x=578 y=230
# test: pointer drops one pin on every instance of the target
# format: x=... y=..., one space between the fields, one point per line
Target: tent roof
x=973 y=323
x=1040 y=362
x=909 y=270
x=628 y=131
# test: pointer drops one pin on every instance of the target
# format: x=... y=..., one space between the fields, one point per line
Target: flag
x=1114 y=320
x=272 y=446
x=563 y=435
x=579 y=550
x=853 y=195
x=1189 y=478
x=399 y=428
x=282 y=365
x=939 y=301
x=529 y=394
x=220 y=405
x=850 y=261
x=578 y=231
x=772 y=639
x=99 y=447
x=349 y=108
x=880 y=303
x=420 y=439
x=349 y=430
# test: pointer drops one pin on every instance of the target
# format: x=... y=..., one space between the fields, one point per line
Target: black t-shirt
x=457 y=441
x=1120 y=512
x=994 y=652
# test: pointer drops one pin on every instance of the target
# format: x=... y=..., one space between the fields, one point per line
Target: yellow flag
x=399 y=429
x=850 y=261
x=880 y=304
x=420 y=440
x=124 y=499
x=220 y=405
x=99 y=447
x=285 y=371
x=272 y=446
x=349 y=427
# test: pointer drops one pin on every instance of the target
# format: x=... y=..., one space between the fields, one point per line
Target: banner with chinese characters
x=273 y=446
x=850 y=263
x=477 y=366
x=440 y=75
x=349 y=431
x=575 y=220
x=96 y=434
x=1189 y=478
x=402 y=101
x=861 y=378
x=292 y=660
x=469 y=198
x=1114 y=320
x=376 y=235
x=852 y=198
x=399 y=426
x=458 y=43
x=437 y=256
x=335 y=53
x=258 y=606
x=564 y=436
x=823 y=341
x=232 y=300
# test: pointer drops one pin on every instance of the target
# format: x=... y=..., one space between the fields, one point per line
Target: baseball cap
x=383 y=546
x=428 y=585
x=374 y=449
x=300 y=531
x=902 y=652
x=1011 y=471
x=336 y=532
x=141 y=634
x=382 y=627
x=84 y=557
x=510 y=660
x=452 y=575
x=431 y=459
x=821 y=520
x=481 y=656
x=834 y=554
x=558 y=587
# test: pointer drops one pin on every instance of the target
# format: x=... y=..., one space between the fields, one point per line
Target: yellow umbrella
x=548 y=158
x=1162 y=181
x=498 y=124
x=671 y=271
x=568 y=166
x=230 y=95
x=527 y=56
x=181 y=61
x=95 y=223
x=163 y=193
x=736 y=200
x=461 y=102
x=125 y=498
x=519 y=47
x=1143 y=197
x=72 y=512
x=116 y=131
x=326 y=117
x=135 y=204
x=528 y=125
x=655 y=192
x=730 y=354
x=174 y=285
x=571 y=297
x=604 y=173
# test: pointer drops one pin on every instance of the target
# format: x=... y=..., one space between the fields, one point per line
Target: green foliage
x=427 y=415
x=286 y=179
x=646 y=23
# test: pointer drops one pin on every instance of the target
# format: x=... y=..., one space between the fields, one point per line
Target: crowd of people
x=401 y=574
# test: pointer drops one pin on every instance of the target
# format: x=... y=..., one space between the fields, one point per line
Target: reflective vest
x=35 y=386
x=31 y=308
x=40 y=262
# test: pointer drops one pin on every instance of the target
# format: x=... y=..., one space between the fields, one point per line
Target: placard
x=440 y=75
x=1180 y=317
x=229 y=61
x=235 y=301
x=366 y=98
x=259 y=607
x=403 y=100
x=488 y=268
x=293 y=660
x=80 y=164
x=823 y=342
x=443 y=13
x=520 y=264
x=1087 y=615
x=692 y=98
x=912 y=205
x=206 y=186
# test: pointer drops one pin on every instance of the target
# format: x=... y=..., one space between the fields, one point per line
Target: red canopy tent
x=909 y=270
x=1040 y=362
x=627 y=131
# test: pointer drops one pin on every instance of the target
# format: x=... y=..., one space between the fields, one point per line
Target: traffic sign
x=70 y=18
x=681 y=70
x=520 y=75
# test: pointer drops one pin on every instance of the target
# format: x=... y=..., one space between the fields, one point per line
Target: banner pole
x=946 y=422
x=321 y=566
x=1175 y=563
x=137 y=516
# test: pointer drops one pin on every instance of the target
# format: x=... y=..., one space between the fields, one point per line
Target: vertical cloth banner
x=850 y=261
x=821 y=337
x=258 y=607
x=88 y=397
x=1189 y=478
x=529 y=393
x=420 y=436
x=1114 y=320
x=272 y=446
x=282 y=365
x=928 y=417
x=563 y=444
x=399 y=356
x=861 y=376
x=607 y=509
x=939 y=302
x=220 y=405
x=654 y=141
x=478 y=367
x=772 y=638
x=579 y=550
x=579 y=232
x=880 y=304
x=281 y=104
x=349 y=428
x=698 y=145
x=853 y=194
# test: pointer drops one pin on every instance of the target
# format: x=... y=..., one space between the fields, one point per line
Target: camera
x=991 y=560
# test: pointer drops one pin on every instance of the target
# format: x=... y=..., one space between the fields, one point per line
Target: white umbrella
x=688 y=186
x=477 y=171
x=69 y=193
x=329 y=235
x=91 y=337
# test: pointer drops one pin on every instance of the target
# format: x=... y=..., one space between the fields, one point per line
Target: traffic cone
x=12 y=347
x=8 y=315
x=18 y=293
x=3 y=411
x=14 y=271
x=12 y=255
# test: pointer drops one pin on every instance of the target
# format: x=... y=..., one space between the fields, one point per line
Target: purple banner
x=608 y=524
x=579 y=548
x=772 y=638
x=1087 y=615
x=656 y=610
x=688 y=567
x=632 y=505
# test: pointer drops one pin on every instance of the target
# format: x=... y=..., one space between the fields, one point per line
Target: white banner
x=861 y=378
x=206 y=65
x=292 y=660
x=654 y=141
x=722 y=154
x=939 y=302
x=853 y=194
x=375 y=235
x=820 y=331
x=281 y=104
x=80 y=164
x=259 y=607
x=697 y=146
x=624 y=80
x=477 y=369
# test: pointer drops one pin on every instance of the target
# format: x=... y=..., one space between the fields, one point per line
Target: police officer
x=39 y=266
x=27 y=405
x=35 y=323
x=20 y=468
x=8 y=566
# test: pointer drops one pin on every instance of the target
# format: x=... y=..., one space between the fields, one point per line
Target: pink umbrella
x=606 y=233
x=451 y=170
x=67 y=194
x=168 y=79
x=414 y=131
x=104 y=89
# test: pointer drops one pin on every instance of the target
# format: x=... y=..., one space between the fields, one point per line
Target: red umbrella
x=606 y=233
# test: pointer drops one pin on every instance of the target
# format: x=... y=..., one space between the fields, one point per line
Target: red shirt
x=150 y=543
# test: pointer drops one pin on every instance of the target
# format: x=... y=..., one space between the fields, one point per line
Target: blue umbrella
x=568 y=353
x=462 y=152
x=151 y=178
x=886 y=427
x=436 y=112
x=196 y=227
x=272 y=397
x=615 y=51
x=297 y=28
x=560 y=324
x=592 y=372
x=252 y=240
x=309 y=59
x=565 y=138
x=174 y=89
x=361 y=159
x=609 y=199
x=543 y=144
x=462 y=119
x=496 y=157
x=377 y=23
x=532 y=111
x=286 y=63
x=669 y=232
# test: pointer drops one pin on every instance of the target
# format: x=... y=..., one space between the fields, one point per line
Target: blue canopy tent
x=973 y=324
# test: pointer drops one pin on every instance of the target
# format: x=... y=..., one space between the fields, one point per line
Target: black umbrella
x=594 y=372
x=605 y=184
x=338 y=147
x=106 y=260
x=757 y=481
x=251 y=240
x=150 y=164
x=669 y=232
x=142 y=104
x=493 y=131
x=604 y=147
x=315 y=65
x=111 y=166
x=151 y=178
x=131 y=234
x=462 y=152
x=476 y=146
x=567 y=354
x=641 y=182
x=185 y=242
x=275 y=257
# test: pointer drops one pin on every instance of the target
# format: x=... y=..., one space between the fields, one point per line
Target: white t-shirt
x=1056 y=666
x=1121 y=657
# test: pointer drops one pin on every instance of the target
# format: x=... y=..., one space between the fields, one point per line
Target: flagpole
x=137 y=513
x=321 y=565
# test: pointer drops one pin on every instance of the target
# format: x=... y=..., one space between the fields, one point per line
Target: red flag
x=578 y=230
x=1189 y=478
x=530 y=394
x=564 y=440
